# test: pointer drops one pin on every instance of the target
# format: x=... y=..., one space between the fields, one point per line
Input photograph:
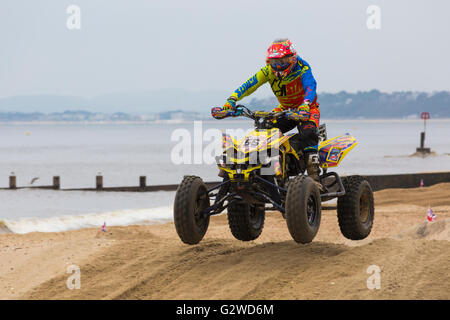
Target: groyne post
x=56 y=183
x=425 y=116
x=422 y=139
x=422 y=148
x=142 y=182
x=12 y=182
x=99 y=182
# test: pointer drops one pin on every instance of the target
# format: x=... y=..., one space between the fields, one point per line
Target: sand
x=150 y=262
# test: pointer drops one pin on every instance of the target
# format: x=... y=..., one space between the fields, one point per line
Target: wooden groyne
x=378 y=182
x=408 y=180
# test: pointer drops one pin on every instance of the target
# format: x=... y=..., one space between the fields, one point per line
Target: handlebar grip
x=220 y=113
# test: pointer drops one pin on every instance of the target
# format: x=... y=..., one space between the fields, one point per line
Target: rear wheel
x=303 y=209
x=190 y=200
x=356 y=209
x=246 y=221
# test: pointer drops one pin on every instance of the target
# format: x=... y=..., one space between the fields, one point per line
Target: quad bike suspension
x=312 y=167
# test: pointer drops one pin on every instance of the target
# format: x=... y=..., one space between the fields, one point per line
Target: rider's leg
x=309 y=134
x=285 y=125
x=307 y=141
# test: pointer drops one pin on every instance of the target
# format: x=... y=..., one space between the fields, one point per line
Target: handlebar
x=243 y=111
x=260 y=114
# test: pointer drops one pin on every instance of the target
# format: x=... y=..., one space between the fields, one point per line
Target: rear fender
x=332 y=151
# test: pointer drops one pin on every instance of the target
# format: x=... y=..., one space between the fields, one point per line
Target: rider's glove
x=230 y=104
x=277 y=109
x=302 y=113
x=295 y=116
x=305 y=106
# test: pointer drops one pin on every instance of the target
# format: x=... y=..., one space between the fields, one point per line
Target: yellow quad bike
x=266 y=171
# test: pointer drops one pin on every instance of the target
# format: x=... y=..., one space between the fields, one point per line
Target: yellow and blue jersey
x=291 y=91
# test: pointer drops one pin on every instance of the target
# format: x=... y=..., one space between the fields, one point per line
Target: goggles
x=280 y=64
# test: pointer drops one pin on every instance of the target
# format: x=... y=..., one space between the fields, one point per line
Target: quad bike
x=265 y=171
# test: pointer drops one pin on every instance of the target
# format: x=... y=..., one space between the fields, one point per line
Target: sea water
x=123 y=152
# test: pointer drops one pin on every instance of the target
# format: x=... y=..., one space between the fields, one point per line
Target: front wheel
x=190 y=200
x=303 y=209
x=356 y=208
x=246 y=221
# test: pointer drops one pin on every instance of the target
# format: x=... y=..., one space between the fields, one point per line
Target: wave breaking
x=91 y=220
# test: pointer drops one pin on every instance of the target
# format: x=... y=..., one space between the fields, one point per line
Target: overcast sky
x=144 y=45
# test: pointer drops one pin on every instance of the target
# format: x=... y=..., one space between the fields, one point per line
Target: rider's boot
x=312 y=167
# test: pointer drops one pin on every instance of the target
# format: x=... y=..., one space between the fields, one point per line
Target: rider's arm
x=308 y=81
x=252 y=84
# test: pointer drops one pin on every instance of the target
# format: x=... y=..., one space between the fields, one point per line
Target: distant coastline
x=181 y=104
x=180 y=121
x=337 y=106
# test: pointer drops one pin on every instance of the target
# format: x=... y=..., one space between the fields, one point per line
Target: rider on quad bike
x=293 y=84
x=264 y=171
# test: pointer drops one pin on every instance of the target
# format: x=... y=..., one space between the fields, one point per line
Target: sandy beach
x=150 y=262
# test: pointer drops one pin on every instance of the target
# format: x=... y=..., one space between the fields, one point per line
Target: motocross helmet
x=281 y=56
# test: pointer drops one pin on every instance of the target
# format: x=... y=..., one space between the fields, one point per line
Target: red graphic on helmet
x=281 y=56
